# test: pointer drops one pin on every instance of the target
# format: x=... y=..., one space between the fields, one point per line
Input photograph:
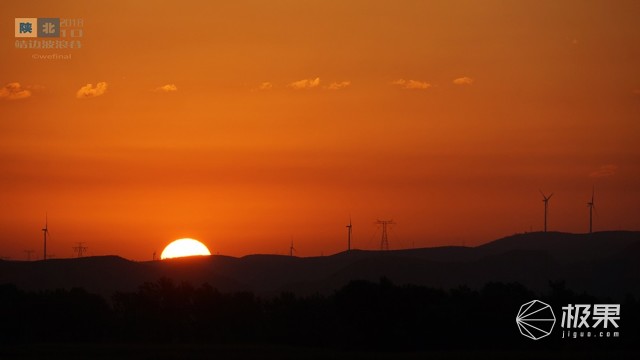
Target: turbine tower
x=384 y=242
x=45 y=231
x=591 y=206
x=545 y=200
x=349 y=235
x=291 y=248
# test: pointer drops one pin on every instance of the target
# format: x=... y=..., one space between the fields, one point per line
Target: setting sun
x=184 y=247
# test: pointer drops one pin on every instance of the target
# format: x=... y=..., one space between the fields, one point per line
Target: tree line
x=361 y=315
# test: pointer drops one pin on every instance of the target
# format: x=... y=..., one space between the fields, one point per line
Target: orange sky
x=287 y=117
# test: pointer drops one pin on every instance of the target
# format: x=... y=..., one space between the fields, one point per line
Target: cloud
x=605 y=171
x=166 y=88
x=463 y=81
x=339 y=85
x=412 y=84
x=265 y=86
x=305 y=84
x=14 y=91
x=88 y=91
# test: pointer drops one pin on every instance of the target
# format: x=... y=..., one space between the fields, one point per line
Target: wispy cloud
x=605 y=171
x=412 y=84
x=339 y=85
x=463 y=81
x=265 y=86
x=305 y=84
x=88 y=91
x=166 y=88
x=14 y=91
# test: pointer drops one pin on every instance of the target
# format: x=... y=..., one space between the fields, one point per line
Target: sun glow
x=184 y=247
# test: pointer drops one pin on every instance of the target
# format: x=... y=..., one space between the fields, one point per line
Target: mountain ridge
x=601 y=263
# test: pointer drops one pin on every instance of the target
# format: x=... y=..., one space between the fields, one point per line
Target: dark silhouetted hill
x=602 y=264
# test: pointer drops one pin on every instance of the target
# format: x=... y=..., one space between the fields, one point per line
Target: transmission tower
x=384 y=243
x=80 y=249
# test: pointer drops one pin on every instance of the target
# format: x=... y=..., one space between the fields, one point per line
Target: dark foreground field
x=361 y=320
x=200 y=351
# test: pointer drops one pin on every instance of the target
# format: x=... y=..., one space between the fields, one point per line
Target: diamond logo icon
x=535 y=319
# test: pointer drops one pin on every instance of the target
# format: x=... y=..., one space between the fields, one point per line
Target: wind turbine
x=349 y=235
x=291 y=248
x=591 y=206
x=45 y=232
x=545 y=200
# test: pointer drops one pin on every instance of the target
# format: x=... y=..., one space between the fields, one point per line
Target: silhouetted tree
x=362 y=315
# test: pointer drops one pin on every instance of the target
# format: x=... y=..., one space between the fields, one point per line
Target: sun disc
x=184 y=247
